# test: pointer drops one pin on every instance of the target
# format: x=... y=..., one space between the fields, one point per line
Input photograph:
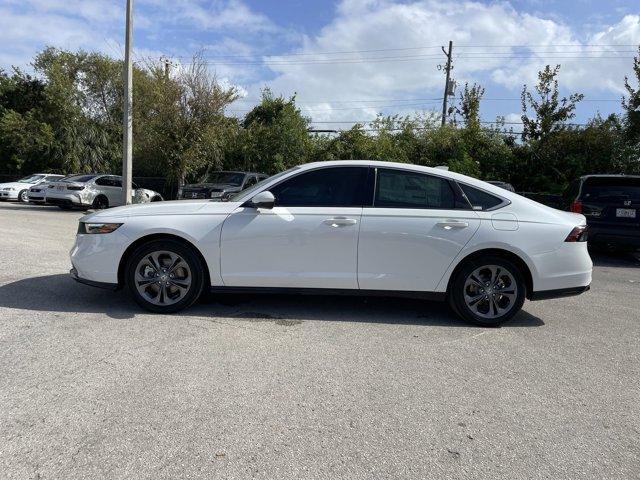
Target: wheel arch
x=160 y=236
x=100 y=195
x=506 y=254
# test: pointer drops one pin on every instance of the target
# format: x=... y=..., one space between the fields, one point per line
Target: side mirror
x=263 y=200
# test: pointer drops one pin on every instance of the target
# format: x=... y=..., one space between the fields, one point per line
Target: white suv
x=96 y=191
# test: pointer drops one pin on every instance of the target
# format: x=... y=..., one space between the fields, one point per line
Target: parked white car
x=98 y=191
x=19 y=191
x=343 y=227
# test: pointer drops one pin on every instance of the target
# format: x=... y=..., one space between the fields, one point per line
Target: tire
x=100 y=203
x=23 y=196
x=156 y=199
x=487 y=305
x=149 y=281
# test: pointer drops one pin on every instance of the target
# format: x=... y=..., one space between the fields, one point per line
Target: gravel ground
x=279 y=387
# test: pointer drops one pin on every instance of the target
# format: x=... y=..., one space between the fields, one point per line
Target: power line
x=429 y=100
x=485 y=122
x=414 y=58
x=361 y=107
x=423 y=47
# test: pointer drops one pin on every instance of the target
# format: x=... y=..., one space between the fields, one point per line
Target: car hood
x=159 y=209
x=16 y=185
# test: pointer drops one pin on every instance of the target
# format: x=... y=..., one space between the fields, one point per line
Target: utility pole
x=167 y=66
x=446 y=85
x=127 y=121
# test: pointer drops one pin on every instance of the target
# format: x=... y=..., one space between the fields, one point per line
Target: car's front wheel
x=23 y=196
x=487 y=291
x=164 y=276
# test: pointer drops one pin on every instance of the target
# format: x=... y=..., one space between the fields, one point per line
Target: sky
x=349 y=60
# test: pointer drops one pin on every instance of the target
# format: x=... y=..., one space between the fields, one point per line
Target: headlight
x=96 y=228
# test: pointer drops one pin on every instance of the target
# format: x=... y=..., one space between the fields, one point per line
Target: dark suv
x=611 y=204
x=220 y=185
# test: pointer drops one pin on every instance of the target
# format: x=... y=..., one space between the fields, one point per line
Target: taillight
x=576 y=206
x=75 y=188
x=578 y=234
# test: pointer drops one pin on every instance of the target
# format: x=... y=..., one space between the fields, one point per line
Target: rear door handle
x=340 y=222
x=452 y=224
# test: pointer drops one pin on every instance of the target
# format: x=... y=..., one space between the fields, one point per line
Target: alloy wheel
x=490 y=291
x=163 y=278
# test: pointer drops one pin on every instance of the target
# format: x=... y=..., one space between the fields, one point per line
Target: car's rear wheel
x=23 y=196
x=488 y=291
x=164 y=276
x=100 y=203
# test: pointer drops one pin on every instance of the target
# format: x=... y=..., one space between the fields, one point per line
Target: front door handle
x=452 y=224
x=340 y=222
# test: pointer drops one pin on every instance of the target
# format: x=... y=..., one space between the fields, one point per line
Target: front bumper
x=107 y=286
x=8 y=195
x=96 y=258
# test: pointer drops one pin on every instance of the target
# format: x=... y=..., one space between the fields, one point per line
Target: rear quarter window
x=479 y=199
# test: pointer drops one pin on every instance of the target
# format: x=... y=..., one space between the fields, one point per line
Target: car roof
x=609 y=175
x=238 y=171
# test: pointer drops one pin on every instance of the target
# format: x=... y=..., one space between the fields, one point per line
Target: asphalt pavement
x=283 y=387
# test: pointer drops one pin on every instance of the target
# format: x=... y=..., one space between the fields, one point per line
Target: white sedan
x=19 y=191
x=359 y=227
x=98 y=191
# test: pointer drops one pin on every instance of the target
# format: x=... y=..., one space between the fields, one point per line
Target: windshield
x=248 y=193
x=78 y=178
x=31 y=179
x=612 y=189
x=226 y=178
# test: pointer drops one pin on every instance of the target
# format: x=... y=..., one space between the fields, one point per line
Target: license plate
x=626 y=212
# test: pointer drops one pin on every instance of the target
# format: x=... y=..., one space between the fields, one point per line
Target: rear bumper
x=65 y=202
x=615 y=236
x=558 y=293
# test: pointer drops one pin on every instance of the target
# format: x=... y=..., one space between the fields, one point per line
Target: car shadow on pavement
x=60 y=293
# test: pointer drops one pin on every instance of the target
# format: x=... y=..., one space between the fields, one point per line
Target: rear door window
x=104 y=182
x=406 y=189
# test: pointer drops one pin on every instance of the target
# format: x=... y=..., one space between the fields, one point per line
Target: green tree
x=550 y=112
x=631 y=104
x=469 y=106
x=274 y=135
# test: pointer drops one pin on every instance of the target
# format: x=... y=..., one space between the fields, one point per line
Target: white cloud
x=475 y=29
x=27 y=26
x=216 y=14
